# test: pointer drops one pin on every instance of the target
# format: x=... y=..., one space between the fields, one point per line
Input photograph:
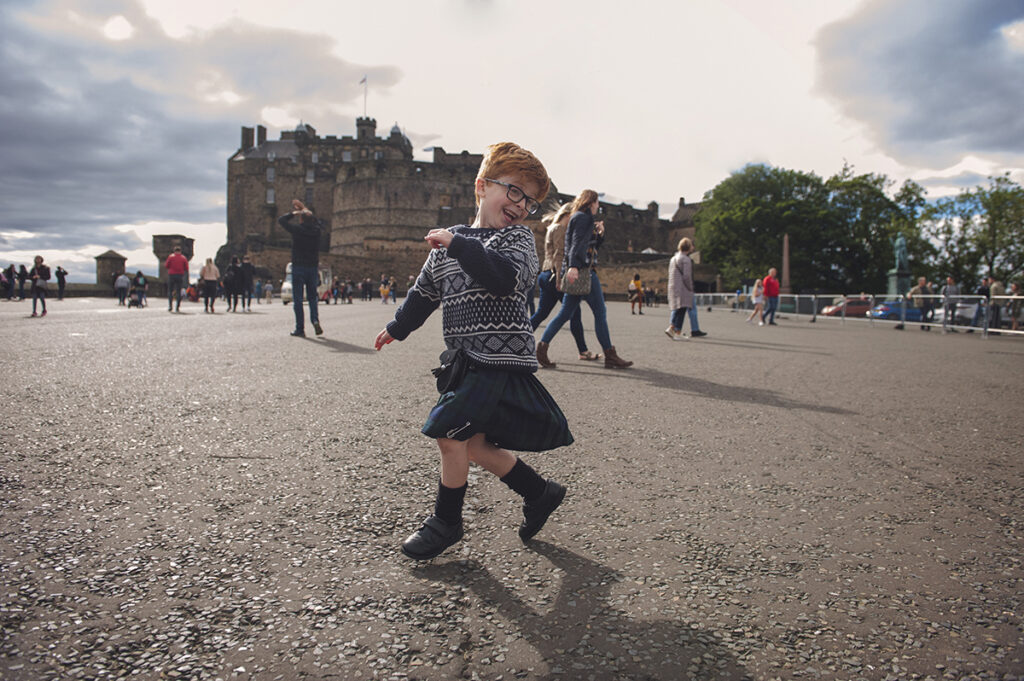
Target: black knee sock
x=524 y=481
x=448 y=506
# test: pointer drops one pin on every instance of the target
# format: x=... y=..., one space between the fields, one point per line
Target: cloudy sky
x=117 y=117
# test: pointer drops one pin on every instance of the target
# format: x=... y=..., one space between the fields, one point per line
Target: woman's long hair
x=584 y=201
x=558 y=214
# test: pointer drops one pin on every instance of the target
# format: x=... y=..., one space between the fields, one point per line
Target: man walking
x=950 y=298
x=305 y=262
x=177 y=271
x=248 y=272
x=920 y=296
x=996 y=292
x=771 y=297
x=981 y=311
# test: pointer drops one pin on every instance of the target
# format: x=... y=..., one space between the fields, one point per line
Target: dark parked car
x=855 y=307
x=890 y=309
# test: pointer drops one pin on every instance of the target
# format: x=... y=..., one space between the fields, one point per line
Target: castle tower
x=108 y=266
x=163 y=246
x=366 y=129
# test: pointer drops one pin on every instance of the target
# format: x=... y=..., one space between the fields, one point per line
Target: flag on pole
x=363 y=80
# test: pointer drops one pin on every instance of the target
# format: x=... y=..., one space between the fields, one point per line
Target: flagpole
x=365 y=86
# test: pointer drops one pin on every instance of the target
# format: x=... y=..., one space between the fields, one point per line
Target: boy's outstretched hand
x=439 y=238
x=383 y=338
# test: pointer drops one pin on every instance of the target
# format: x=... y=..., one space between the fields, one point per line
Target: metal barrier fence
x=968 y=313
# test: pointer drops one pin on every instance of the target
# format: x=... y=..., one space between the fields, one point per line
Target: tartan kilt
x=511 y=408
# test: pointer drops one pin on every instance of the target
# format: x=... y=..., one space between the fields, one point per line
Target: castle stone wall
x=378 y=203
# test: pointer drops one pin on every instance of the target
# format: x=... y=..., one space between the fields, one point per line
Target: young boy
x=480 y=275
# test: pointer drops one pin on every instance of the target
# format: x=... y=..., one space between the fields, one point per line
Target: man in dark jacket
x=62 y=281
x=248 y=276
x=305 y=230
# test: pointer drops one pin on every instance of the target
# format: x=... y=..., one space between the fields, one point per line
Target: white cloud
x=125 y=112
x=118 y=28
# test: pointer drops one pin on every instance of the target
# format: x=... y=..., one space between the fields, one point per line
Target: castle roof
x=280 y=149
x=110 y=255
x=685 y=212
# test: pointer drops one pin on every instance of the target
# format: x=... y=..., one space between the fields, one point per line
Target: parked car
x=964 y=314
x=890 y=309
x=854 y=307
x=323 y=285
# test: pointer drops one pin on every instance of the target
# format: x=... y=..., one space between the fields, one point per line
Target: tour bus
x=323 y=285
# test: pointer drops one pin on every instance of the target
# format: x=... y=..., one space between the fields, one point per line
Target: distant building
x=379 y=202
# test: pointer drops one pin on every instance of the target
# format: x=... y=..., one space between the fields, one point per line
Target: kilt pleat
x=512 y=409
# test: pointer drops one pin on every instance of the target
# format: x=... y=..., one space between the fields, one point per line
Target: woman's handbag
x=581 y=287
x=454 y=364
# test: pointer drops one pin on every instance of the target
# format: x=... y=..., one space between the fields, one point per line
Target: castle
x=379 y=202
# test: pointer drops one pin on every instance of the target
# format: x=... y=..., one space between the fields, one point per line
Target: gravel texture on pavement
x=193 y=496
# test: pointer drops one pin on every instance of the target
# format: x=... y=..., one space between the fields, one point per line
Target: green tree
x=741 y=225
x=999 y=237
x=980 y=231
x=912 y=206
x=870 y=221
x=951 y=225
x=841 y=231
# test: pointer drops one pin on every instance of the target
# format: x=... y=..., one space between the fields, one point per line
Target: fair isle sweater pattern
x=481 y=282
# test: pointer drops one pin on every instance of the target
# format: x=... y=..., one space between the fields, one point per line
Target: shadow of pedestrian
x=584 y=634
x=712 y=390
x=339 y=346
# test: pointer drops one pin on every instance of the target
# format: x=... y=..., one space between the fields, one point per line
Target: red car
x=855 y=307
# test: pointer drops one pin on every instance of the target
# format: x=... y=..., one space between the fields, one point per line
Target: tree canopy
x=842 y=230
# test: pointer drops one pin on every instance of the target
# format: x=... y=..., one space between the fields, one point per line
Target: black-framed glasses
x=515 y=195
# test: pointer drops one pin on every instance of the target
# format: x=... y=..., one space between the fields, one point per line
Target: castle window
x=271 y=156
x=270 y=174
x=362 y=153
x=309 y=197
x=310 y=178
x=315 y=157
x=270 y=195
x=346 y=156
x=378 y=155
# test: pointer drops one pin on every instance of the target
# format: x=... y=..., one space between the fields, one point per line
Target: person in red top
x=177 y=272
x=771 y=298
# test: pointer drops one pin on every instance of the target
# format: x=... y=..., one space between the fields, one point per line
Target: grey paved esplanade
x=204 y=497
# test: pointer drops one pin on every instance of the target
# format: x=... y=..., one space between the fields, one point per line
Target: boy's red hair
x=508 y=158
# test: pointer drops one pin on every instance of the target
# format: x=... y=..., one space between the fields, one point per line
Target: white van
x=323 y=285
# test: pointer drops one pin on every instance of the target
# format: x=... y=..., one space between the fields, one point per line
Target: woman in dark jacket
x=39 y=275
x=22 y=276
x=582 y=239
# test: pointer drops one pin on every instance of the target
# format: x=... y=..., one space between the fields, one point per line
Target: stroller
x=135 y=297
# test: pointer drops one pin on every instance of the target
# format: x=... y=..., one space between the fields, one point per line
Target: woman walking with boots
x=554 y=243
x=582 y=239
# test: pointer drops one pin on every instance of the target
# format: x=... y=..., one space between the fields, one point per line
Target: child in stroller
x=135 y=297
x=137 y=294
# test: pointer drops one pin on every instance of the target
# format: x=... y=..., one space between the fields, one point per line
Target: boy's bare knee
x=450 y=447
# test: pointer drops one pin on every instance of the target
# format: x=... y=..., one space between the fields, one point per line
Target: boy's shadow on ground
x=584 y=634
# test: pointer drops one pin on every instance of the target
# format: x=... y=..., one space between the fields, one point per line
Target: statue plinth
x=899 y=282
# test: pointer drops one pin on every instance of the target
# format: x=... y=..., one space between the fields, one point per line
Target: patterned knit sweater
x=481 y=282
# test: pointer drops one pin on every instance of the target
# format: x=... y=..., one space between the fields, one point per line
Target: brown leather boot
x=542 y=356
x=613 y=361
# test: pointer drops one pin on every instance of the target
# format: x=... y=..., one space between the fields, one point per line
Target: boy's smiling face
x=496 y=210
